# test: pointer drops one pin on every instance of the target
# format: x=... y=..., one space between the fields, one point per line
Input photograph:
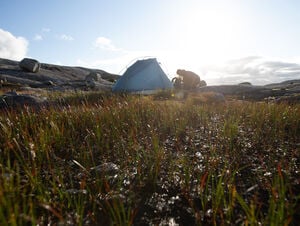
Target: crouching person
x=190 y=79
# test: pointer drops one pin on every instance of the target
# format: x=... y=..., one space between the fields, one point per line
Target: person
x=177 y=82
x=190 y=79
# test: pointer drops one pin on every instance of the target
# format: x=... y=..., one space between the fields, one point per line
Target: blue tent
x=144 y=76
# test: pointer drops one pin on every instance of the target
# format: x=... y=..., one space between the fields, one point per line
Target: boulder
x=30 y=65
x=93 y=76
x=49 y=83
x=98 y=86
x=109 y=169
x=91 y=84
x=245 y=84
x=12 y=100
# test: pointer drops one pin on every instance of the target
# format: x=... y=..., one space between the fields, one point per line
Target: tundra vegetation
x=103 y=159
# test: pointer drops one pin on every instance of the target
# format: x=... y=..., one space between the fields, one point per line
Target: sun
x=209 y=35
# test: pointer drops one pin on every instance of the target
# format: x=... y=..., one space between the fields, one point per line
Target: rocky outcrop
x=94 y=80
x=237 y=90
x=53 y=77
x=291 y=99
x=93 y=76
x=13 y=100
x=245 y=84
x=30 y=65
x=250 y=92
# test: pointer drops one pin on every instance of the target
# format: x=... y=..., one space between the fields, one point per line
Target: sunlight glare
x=209 y=36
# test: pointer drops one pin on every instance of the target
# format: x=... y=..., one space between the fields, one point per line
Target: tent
x=144 y=76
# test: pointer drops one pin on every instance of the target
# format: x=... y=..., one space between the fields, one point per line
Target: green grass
x=193 y=163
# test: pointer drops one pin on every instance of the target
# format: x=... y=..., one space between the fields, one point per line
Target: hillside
x=50 y=76
x=280 y=91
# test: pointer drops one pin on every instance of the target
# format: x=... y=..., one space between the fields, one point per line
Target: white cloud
x=38 y=37
x=254 y=69
x=257 y=70
x=12 y=47
x=65 y=37
x=106 y=44
x=42 y=34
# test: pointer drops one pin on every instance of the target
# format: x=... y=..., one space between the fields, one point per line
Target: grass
x=99 y=159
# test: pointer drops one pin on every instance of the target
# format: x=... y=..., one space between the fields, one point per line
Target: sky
x=224 y=42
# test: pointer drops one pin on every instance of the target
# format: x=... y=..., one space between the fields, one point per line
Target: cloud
x=42 y=34
x=106 y=44
x=38 y=37
x=12 y=47
x=65 y=37
x=254 y=69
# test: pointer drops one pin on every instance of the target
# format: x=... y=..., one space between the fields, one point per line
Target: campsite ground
x=104 y=159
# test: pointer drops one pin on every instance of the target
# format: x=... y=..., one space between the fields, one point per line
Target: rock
x=95 y=81
x=49 y=83
x=218 y=98
x=11 y=93
x=109 y=169
x=241 y=91
x=30 y=65
x=91 y=84
x=245 y=84
x=93 y=76
x=12 y=100
x=63 y=77
x=292 y=99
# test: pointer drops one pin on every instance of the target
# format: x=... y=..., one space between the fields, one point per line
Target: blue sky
x=225 y=42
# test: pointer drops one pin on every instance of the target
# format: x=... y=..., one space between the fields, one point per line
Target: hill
x=278 y=91
x=52 y=76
